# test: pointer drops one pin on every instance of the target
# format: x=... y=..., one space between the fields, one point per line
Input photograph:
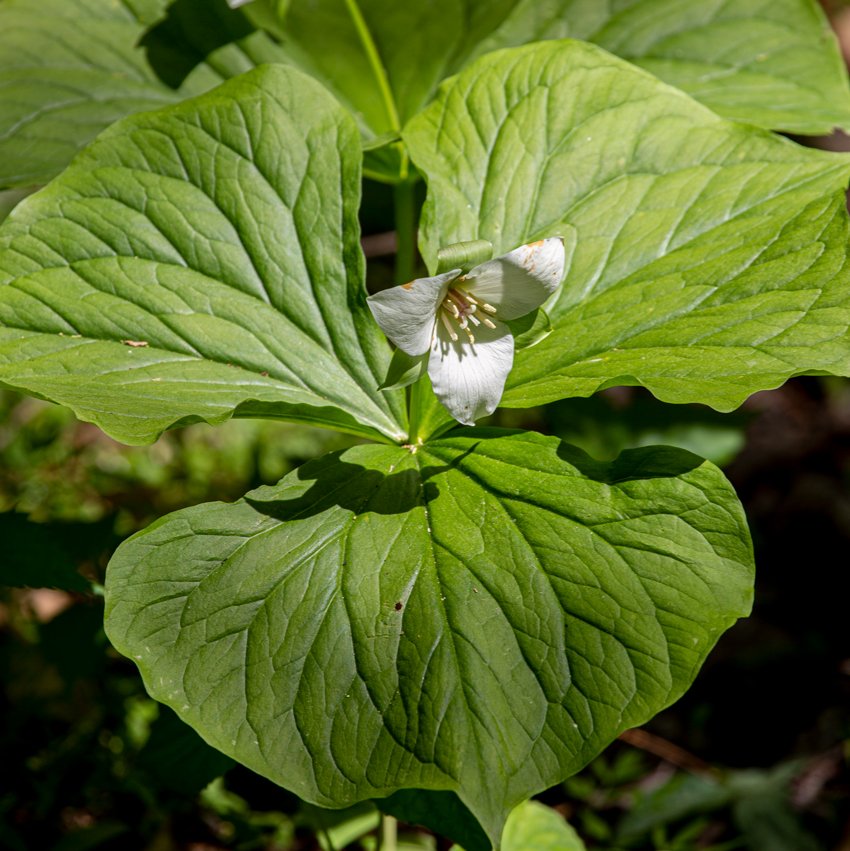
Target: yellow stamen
x=462 y=307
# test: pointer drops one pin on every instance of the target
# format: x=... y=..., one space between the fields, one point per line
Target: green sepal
x=380 y=141
x=403 y=370
x=530 y=329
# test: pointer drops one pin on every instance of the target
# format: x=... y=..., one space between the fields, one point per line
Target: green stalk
x=405 y=229
x=327 y=837
x=406 y=220
x=389 y=833
x=414 y=410
x=426 y=417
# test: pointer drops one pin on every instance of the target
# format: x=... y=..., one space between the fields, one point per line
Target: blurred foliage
x=54 y=468
x=98 y=764
x=626 y=417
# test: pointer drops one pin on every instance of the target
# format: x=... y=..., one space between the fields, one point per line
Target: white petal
x=406 y=313
x=469 y=378
x=235 y=4
x=520 y=281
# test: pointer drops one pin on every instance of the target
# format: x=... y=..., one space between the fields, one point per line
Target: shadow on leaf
x=187 y=36
x=359 y=489
x=649 y=462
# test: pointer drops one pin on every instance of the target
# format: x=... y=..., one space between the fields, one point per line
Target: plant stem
x=405 y=270
x=327 y=837
x=414 y=410
x=389 y=833
x=405 y=229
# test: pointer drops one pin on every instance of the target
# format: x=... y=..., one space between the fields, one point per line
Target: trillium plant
x=450 y=616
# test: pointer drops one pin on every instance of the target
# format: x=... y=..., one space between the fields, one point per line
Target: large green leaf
x=201 y=261
x=481 y=616
x=707 y=260
x=385 y=59
x=196 y=44
x=70 y=68
x=773 y=63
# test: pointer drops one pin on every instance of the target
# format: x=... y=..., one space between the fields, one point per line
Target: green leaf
x=382 y=59
x=760 y=801
x=340 y=828
x=774 y=64
x=535 y=827
x=480 y=617
x=200 y=43
x=199 y=262
x=70 y=68
x=777 y=65
x=769 y=820
x=707 y=260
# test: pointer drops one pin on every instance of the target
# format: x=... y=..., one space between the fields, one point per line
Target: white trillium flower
x=457 y=321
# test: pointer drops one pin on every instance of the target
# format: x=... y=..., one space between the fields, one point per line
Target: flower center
x=459 y=308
